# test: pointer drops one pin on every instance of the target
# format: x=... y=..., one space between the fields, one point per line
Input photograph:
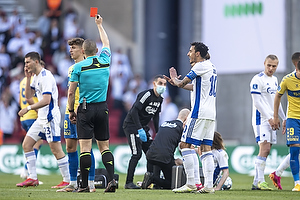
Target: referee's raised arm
x=103 y=35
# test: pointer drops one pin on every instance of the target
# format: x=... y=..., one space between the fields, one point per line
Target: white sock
x=196 y=168
x=255 y=181
x=283 y=165
x=260 y=163
x=208 y=168
x=74 y=183
x=31 y=164
x=91 y=184
x=188 y=163
x=63 y=165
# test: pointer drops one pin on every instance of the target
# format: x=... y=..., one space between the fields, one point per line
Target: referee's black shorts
x=93 y=121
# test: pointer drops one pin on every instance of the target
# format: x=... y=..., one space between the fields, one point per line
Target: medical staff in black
x=146 y=107
x=161 y=152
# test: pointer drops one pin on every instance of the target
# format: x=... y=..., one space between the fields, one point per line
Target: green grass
x=240 y=190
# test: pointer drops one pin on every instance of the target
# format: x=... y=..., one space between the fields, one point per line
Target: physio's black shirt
x=165 y=142
x=146 y=106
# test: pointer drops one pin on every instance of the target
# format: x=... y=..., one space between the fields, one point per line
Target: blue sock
x=294 y=162
x=92 y=169
x=73 y=165
x=36 y=151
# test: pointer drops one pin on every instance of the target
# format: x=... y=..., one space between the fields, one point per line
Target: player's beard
x=192 y=63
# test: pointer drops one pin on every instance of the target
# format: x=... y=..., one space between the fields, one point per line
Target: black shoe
x=254 y=187
x=87 y=189
x=111 y=187
x=131 y=186
x=147 y=180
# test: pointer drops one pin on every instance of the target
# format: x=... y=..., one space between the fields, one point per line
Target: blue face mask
x=160 y=89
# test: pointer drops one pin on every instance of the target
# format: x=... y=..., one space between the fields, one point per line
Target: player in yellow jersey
x=28 y=119
x=285 y=163
x=70 y=132
x=291 y=85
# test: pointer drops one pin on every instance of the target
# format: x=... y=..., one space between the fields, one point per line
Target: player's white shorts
x=198 y=131
x=49 y=131
x=264 y=132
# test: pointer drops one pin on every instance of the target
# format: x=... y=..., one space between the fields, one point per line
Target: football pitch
x=240 y=190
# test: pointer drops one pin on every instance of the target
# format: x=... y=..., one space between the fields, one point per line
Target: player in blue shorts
x=291 y=85
x=276 y=175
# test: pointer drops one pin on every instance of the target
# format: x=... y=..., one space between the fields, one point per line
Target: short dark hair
x=202 y=48
x=158 y=76
x=34 y=56
x=298 y=65
x=296 y=57
x=43 y=63
x=75 y=41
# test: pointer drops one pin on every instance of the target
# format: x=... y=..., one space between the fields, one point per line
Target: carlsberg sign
x=241 y=159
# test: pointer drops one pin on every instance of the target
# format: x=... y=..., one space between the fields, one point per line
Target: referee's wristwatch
x=71 y=110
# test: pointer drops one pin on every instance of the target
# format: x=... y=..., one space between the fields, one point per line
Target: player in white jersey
x=200 y=126
x=47 y=124
x=263 y=88
x=276 y=175
x=221 y=171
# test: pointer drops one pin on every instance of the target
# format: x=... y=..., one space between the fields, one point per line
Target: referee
x=146 y=107
x=92 y=75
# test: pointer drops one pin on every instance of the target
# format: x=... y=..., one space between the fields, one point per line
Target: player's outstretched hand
x=173 y=73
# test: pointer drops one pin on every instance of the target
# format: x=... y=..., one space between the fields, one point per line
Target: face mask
x=160 y=89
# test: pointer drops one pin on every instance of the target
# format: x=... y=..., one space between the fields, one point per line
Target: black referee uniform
x=161 y=151
x=146 y=107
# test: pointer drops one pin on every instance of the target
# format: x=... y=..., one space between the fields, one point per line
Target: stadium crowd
x=49 y=39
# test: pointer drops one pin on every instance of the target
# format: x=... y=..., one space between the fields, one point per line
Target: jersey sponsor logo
x=150 y=110
x=145 y=96
x=294 y=93
x=270 y=90
x=157 y=104
x=255 y=86
x=170 y=125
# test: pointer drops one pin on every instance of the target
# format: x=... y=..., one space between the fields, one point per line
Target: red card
x=93 y=11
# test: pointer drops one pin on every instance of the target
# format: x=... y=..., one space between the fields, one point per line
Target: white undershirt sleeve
x=281 y=113
x=261 y=106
